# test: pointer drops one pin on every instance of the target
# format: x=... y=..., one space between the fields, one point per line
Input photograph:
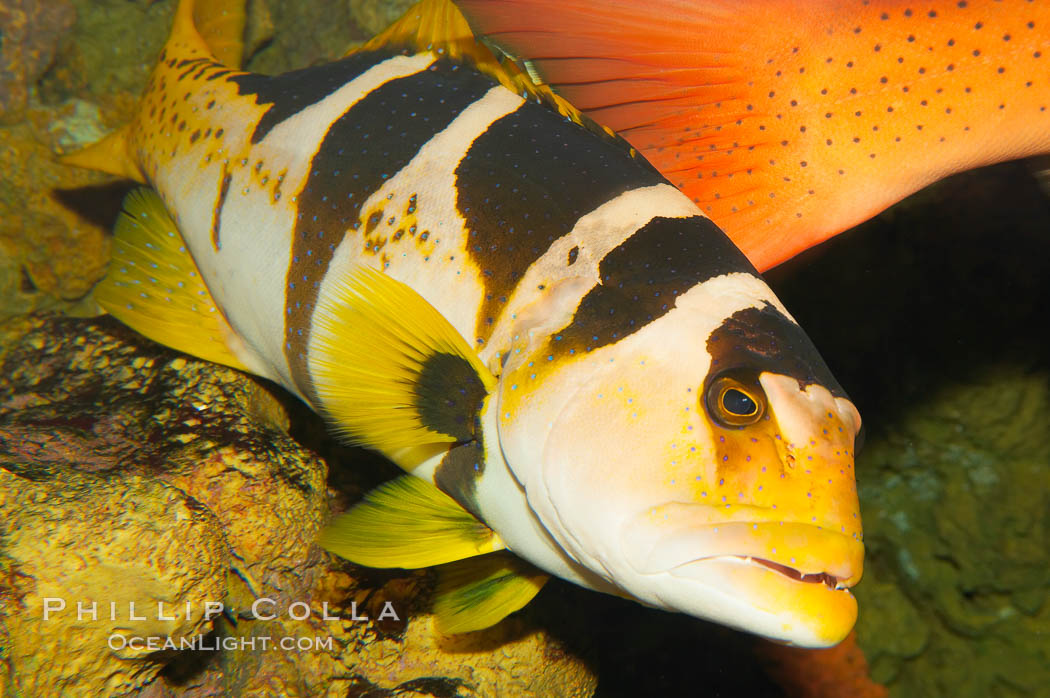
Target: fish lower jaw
x=763 y=597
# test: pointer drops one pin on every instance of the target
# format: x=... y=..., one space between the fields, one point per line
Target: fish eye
x=739 y=403
x=735 y=403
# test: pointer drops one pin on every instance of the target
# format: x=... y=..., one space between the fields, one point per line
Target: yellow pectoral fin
x=409 y=523
x=480 y=592
x=391 y=372
x=153 y=285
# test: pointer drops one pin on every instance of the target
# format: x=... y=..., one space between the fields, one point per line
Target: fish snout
x=676 y=534
x=786 y=580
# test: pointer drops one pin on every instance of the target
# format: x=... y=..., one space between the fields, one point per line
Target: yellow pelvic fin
x=480 y=592
x=391 y=372
x=153 y=285
x=439 y=26
x=408 y=522
x=108 y=155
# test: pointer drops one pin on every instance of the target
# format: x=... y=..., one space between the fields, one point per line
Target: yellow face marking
x=810 y=482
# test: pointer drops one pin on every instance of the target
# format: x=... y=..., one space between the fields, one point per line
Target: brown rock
x=131 y=474
x=31 y=31
x=50 y=254
x=90 y=552
x=376 y=15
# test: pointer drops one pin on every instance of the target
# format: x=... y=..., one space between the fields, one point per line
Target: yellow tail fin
x=110 y=155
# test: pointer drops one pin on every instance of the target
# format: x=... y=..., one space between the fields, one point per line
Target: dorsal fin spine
x=439 y=26
x=214 y=19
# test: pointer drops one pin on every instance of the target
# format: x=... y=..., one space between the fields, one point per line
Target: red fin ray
x=789 y=122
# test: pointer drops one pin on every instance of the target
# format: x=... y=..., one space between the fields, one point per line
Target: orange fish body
x=786 y=121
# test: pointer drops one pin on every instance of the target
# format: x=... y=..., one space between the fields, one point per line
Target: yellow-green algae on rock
x=129 y=473
x=961 y=516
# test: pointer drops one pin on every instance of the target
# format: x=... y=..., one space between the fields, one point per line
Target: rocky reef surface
x=31 y=32
x=139 y=486
x=131 y=474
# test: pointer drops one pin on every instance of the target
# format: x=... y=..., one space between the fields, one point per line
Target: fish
x=579 y=373
x=790 y=122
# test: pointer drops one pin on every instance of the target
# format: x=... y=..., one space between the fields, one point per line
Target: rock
x=893 y=630
x=111 y=51
x=963 y=526
x=153 y=483
x=50 y=255
x=376 y=15
x=70 y=126
x=259 y=27
x=76 y=542
x=132 y=475
x=31 y=31
x=301 y=34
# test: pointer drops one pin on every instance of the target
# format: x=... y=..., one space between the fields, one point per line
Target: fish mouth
x=789 y=581
x=839 y=571
x=801 y=552
x=828 y=580
x=781 y=602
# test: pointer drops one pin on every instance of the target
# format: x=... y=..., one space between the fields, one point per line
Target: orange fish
x=787 y=121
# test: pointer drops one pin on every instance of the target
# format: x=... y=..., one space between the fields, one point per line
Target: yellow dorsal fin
x=222 y=23
x=153 y=285
x=408 y=522
x=212 y=28
x=439 y=26
x=385 y=363
x=479 y=592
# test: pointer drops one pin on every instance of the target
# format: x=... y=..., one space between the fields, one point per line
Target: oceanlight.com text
x=205 y=643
